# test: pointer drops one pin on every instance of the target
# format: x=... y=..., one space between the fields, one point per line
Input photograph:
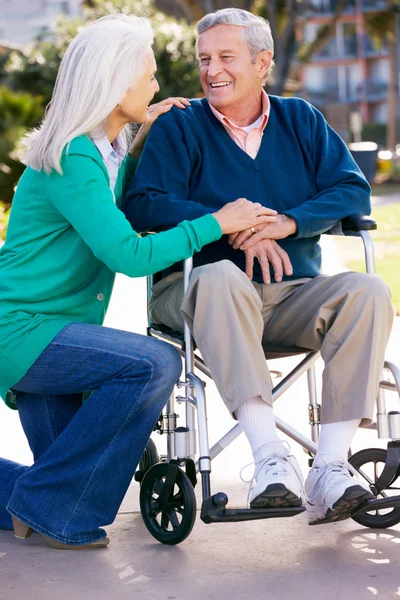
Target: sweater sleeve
x=342 y=188
x=84 y=199
x=158 y=196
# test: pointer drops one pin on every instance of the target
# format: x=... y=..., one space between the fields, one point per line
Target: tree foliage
x=18 y=111
x=29 y=73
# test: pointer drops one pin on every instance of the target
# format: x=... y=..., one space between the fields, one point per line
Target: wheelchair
x=167 y=497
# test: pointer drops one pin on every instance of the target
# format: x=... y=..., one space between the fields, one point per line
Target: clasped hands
x=259 y=242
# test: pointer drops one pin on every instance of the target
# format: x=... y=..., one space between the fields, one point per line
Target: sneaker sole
x=353 y=498
x=276 y=495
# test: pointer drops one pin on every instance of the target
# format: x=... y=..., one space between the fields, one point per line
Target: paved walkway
x=385 y=199
x=264 y=560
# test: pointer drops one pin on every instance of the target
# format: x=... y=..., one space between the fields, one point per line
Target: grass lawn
x=387 y=249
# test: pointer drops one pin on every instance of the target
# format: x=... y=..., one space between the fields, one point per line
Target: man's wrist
x=290 y=225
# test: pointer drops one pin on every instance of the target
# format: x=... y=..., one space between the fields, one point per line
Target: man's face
x=228 y=76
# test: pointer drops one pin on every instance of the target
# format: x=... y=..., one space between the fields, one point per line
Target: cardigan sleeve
x=342 y=188
x=82 y=195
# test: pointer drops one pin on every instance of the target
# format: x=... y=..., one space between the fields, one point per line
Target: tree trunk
x=392 y=98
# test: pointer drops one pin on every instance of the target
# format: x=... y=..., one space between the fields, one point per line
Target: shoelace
x=340 y=466
x=266 y=463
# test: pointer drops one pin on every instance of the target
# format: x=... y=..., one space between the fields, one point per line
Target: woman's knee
x=164 y=360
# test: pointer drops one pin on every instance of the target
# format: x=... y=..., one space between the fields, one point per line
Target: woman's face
x=136 y=101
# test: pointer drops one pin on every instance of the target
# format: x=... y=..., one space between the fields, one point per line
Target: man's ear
x=264 y=60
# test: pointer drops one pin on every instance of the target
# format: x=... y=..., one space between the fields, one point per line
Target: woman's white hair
x=256 y=30
x=104 y=60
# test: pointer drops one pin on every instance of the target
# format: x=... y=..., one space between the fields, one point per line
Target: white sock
x=257 y=420
x=335 y=440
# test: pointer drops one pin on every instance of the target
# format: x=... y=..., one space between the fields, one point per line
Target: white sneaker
x=333 y=494
x=278 y=481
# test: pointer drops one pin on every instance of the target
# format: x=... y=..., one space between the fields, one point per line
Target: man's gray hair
x=256 y=30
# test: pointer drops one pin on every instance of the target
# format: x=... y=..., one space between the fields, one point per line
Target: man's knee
x=370 y=286
x=223 y=272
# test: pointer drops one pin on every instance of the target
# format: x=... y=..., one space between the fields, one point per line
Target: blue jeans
x=87 y=457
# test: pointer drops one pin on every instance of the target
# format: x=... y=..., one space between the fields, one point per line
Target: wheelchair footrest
x=379 y=504
x=212 y=513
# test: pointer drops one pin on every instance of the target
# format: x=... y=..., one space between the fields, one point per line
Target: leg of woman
x=43 y=418
x=79 y=483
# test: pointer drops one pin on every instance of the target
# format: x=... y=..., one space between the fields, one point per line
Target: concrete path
x=264 y=560
x=385 y=199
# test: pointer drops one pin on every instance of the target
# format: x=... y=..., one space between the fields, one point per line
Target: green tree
x=18 y=111
x=30 y=73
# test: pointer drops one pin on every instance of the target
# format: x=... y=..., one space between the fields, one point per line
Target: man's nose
x=214 y=68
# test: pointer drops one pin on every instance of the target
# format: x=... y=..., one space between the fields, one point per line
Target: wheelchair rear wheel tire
x=149 y=457
x=174 y=522
x=375 y=519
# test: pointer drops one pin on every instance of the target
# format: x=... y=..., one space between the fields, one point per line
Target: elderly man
x=239 y=142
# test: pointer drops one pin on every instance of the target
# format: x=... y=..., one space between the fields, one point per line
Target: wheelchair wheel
x=149 y=457
x=171 y=522
x=369 y=463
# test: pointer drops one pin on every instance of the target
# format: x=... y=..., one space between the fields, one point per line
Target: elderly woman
x=66 y=240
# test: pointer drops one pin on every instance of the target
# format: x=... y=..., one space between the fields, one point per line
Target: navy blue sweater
x=190 y=167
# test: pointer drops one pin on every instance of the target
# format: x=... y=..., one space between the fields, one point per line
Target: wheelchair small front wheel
x=369 y=463
x=172 y=521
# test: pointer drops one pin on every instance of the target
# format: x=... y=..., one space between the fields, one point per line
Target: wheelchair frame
x=157 y=492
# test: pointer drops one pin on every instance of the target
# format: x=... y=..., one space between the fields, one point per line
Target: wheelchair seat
x=271 y=351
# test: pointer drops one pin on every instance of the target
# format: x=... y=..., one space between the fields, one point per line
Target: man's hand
x=281 y=228
x=268 y=252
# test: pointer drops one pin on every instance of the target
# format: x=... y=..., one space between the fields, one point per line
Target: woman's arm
x=83 y=197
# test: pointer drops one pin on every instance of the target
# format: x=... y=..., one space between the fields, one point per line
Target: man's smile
x=218 y=84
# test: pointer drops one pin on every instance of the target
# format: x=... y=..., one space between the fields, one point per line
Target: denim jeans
x=84 y=466
x=43 y=418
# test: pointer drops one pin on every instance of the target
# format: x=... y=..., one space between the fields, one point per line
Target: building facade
x=349 y=73
x=22 y=20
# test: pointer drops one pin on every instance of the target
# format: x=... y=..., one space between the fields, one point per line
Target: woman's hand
x=155 y=110
x=243 y=214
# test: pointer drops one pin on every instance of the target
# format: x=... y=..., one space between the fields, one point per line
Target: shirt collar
x=105 y=148
x=265 y=113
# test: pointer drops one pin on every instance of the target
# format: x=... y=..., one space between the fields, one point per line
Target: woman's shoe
x=21 y=530
x=92 y=546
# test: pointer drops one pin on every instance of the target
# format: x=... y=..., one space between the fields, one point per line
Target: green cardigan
x=66 y=239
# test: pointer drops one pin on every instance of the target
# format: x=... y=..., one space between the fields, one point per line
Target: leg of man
x=224 y=313
x=79 y=483
x=43 y=418
x=349 y=318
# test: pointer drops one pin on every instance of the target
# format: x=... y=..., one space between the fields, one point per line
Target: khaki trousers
x=348 y=317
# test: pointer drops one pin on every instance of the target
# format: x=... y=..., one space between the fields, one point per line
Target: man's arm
x=343 y=189
x=158 y=196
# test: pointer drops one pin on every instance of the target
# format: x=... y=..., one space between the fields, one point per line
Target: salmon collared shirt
x=247 y=138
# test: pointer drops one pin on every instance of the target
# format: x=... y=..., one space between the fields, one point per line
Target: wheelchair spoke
x=164 y=519
x=173 y=519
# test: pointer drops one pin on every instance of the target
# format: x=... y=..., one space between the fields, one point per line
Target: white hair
x=256 y=30
x=100 y=65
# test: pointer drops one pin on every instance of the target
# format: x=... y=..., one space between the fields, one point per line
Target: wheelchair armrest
x=353 y=225
x=358 y=223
